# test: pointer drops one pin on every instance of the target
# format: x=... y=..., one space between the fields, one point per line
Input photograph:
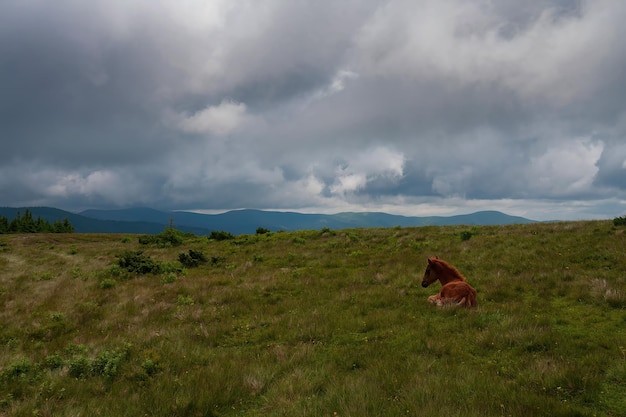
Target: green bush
x=79 y=367
x=107 y=283
x=18 y=368
x=53 y=361
x=220 y=235
x=167 y=238
x=107 y=362
x=262 y=231
x=169 y=278
x=192 y=259
x=138 y=262
x=150 y=367
x=620 y=221
x=184 y=300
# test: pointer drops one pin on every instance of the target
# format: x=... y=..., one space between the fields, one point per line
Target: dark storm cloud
x=422 y=107
x=69 y=95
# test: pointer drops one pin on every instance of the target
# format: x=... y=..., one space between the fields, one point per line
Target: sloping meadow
x=315 y=323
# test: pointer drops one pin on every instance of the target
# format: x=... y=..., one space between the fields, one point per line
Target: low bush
x=138 y=262
x=192 y=259
x=620 y=221
x=220 y=235
x=107 y=283
x=167 y=238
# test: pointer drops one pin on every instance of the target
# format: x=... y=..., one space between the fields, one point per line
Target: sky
x=412 y=107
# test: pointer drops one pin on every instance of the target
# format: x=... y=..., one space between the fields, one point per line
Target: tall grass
x=316 y=323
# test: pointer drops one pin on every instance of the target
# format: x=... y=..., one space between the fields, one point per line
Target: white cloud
x=337 y=84
x=463 y=43
x=565 y=170
x=358 y=170
x=348 y=182
x=217 y=120
x=116 y=187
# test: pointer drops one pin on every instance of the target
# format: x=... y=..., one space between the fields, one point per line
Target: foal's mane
x=446 y=267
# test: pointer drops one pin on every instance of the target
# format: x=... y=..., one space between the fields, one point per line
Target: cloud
x=357 y=171
x=218 y=120
x=564 y=171
x=407 y=106
x=337 y=84
x=474 y=42
x=611 y=167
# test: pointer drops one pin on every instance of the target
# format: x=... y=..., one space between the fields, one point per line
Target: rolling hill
x=148 y=220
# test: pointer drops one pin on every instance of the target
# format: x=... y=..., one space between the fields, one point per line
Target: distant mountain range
x=151 y=221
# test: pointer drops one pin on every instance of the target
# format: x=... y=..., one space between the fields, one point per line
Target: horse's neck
x=450 y=274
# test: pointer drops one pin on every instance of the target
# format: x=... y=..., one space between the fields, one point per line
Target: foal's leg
x=435 y=299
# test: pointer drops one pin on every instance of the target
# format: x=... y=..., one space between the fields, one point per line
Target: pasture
x=315 y=323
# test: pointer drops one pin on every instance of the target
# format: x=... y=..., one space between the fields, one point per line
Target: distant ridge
x=150 y=221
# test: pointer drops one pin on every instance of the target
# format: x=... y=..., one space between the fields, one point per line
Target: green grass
x=316 y=323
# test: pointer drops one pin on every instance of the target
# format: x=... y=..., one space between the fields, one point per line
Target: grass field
x=315 y=323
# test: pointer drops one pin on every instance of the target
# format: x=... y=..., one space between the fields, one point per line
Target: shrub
x=466 y=235
x=184 y=300
x=150 y=367
x=262 y=231
x=53 y=361
x=107 y=362
x=221 y=235
x=138 y=262
x=18 y=368
x=107 y=283
x=75 y=272
x=169 y=279
x=192 y=259
x=620 y=221
x=167 y=238
x=326 y=231
x=216 y=260
x=46 y=276
x=79 y=366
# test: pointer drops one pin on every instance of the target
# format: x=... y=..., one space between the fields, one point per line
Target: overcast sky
x=410 y=107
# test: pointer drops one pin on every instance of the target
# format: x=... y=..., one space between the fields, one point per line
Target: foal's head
x=438 y=269
x=431 y=273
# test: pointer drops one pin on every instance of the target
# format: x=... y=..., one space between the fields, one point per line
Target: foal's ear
x=430 y=260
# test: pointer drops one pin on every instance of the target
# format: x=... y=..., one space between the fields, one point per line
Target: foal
x=454 y=288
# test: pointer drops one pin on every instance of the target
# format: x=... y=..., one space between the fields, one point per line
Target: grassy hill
x=315 y=323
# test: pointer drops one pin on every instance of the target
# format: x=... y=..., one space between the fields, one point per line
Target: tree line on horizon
x=27 y=224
